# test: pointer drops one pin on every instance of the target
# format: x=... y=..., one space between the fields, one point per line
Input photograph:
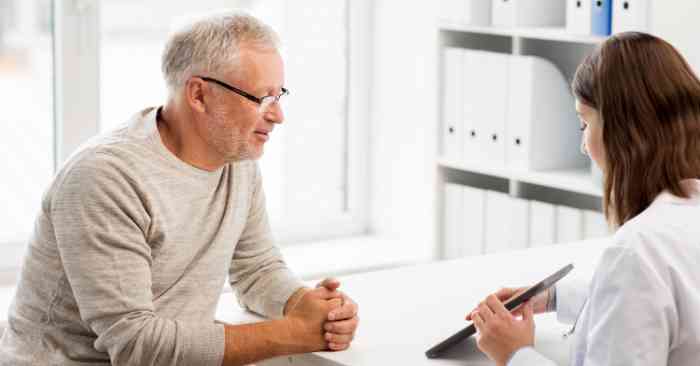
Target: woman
x=639 y=106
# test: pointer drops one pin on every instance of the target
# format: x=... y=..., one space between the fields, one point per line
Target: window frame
x=355 y=220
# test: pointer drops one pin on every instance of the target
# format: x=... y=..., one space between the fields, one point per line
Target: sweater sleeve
x=100 y=224
x=258 y=274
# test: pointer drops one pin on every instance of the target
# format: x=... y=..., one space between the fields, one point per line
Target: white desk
x=405 y=311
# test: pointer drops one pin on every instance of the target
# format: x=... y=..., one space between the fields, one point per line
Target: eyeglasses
x=265 y=102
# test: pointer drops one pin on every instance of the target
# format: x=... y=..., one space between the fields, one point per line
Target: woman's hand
x=539 y=302
x=501 y=333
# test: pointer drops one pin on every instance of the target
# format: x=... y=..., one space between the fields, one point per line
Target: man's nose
x=274 y=113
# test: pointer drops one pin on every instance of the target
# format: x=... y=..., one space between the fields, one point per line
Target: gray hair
x=211 y=44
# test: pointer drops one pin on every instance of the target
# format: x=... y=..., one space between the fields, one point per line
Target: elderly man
x=140 y=227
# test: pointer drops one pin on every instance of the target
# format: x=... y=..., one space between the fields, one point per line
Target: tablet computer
x=510 y=304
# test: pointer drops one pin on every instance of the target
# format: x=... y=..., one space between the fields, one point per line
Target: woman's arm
x=631 y=312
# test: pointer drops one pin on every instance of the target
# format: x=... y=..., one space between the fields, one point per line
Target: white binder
x=594 y=225
x=631 y=15
x=453 y=216
x=528 y=13
x=470 y=107
x=465 y=12
x=452 y=134
x=477 y=12
x=485 y=91
x=507 y=223
x=569 y=224
x=578 y=16
x=497 y=217
x=519 y=228
x=542 y=224
x=541 y=123
x=474 y=208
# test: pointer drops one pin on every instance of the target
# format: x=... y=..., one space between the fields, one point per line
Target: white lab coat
x=643 y=304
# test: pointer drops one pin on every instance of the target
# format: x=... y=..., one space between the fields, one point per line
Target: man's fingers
x=342 y=326
x=335 y=303
x=338 y=346
x=348 y=310
x=327 y=294
x=338 y=338
x=330 y=283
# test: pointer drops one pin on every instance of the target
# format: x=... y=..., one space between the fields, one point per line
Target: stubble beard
x=228 y=140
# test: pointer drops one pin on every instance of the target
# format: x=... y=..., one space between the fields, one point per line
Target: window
x=311 y=166
x=306 y=171
x=26 y=122
x=75 y=68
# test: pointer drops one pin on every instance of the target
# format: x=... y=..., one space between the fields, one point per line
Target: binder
x=601 y=17
x=503 y=14
x=497 y=218
x=452 y=105
x=540 y=117
x=453 y=215
x=507 y=223
x=578 y=16
x=485 y=92
x=477 y=12
x=542 y=224
x=491 y=108
x=594 y=225
x=528 y=13
x=631 y=15
x=471 y=75
x=474 y=208
x=519 y=228
x=569 y=225
x=465 y=12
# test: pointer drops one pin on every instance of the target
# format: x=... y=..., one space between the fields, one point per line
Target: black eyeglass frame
x=244 y=94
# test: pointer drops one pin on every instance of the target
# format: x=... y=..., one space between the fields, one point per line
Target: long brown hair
x=649 y=103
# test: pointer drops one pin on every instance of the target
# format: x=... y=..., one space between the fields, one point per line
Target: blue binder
x=601 y=17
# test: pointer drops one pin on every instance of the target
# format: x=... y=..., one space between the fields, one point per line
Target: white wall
x=677 y=22
x=404 y=121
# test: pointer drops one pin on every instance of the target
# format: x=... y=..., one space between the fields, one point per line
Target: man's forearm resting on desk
x=308 y=315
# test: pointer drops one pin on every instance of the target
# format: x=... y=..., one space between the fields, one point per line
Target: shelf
x=571 y=180
x=546 y=33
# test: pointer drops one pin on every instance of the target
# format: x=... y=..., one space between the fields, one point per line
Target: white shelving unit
x=574 y=187
x=544 y=33
x=569 y=180
x=553 y=43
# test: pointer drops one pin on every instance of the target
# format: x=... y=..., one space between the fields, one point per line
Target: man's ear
x=195 y=90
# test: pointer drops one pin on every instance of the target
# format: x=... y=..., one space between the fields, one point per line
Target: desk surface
x=405 y=311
